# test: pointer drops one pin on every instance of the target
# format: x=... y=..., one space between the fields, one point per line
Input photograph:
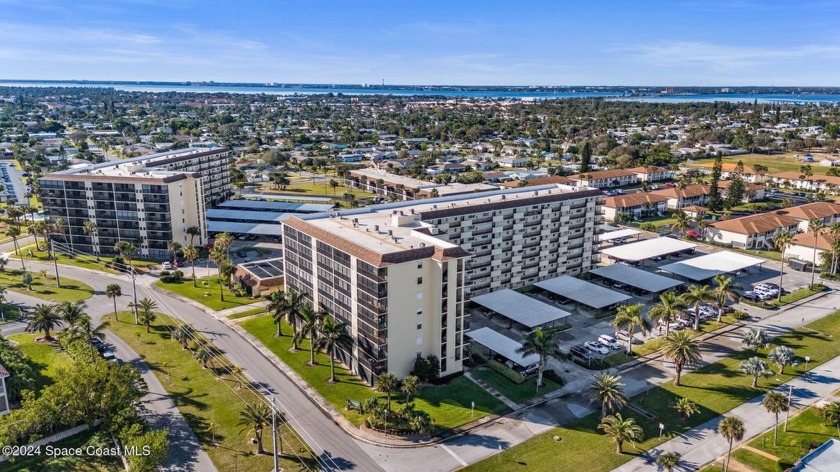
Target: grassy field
x=805 y=431
x=649 y=347
x=716 y=389
x=207 y=293
x=46 y=359
x=797 y=295
x=518 y=393
x=85 y=262
x=774 y=163
x=10 y=313
x=203 y=399
x=448 y=404
x=247 y=313
x=83 y=463
x=45 y=287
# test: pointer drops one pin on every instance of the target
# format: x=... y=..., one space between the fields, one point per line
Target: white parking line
x=462 y=461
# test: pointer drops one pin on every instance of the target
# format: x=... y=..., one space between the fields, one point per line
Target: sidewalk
x=703 y=445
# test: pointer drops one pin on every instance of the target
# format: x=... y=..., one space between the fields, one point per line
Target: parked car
x=768 y=285
x=755 y=296
x=672 y=326
x=167 y=265
x=761 y=289
x=596 y=348
x=623 y=335
x=609 y=341
x=179 y=263
x=581 y=352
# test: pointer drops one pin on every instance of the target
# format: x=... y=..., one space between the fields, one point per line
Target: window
x=419 y=325
x=419 y=310
x=419 y=265
x=419 y=280
x=419 y=340
x=419 y=295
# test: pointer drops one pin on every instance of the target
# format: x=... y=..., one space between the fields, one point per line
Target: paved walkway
x=703 y=445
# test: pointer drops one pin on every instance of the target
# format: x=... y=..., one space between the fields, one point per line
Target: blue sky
x=489 y=42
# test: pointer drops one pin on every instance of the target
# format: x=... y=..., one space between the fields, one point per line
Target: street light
x=790 y=398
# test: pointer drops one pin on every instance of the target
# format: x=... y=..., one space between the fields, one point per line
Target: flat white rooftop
x=647 y=249
x=520 y=308
x=246 y=216
x=584 y=292
x=276 y=206
x=260 y=229
x=622 y=233
x=637 y=278
x=705 y=267
x=503 y=345
x=291 y=198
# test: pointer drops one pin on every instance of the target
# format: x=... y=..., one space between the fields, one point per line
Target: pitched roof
x=688 y=192
x=807 y=240
x=633 y=199
x=814 y=178
x=603 y=174
x=554 y=179
x=756 y=224
x=747 y=186
x=811 y=211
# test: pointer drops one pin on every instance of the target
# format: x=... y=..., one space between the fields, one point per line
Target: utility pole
x=790 y=398
x=274 y=433
x=55 y=263
x=134 y=289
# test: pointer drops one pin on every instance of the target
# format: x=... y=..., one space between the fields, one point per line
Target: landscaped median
x=43 y=286
x=103 y=263
x=208 y=398
x=715 y=389
x=206 y=292
x=449 y=405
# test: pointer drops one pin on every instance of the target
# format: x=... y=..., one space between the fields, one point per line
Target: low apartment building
x=824 y=212
x=634 y=206
x=679 y=198
x=606 y=178
x=803 y=247
x=126 y=201
x=653 y=173
x=386 y=184
x=398 y=274
x=815 y=183
x=752 y=192
x=753 y=231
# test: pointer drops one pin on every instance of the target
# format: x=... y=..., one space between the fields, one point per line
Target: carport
x=520 y=308
x=620 y=234
x=581 y=291
x=648 y=249
x=259 y=229
x=636 y=278
x=700 y=269
x=502 y=345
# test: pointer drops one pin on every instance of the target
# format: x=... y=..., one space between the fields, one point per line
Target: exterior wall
x=803 y=253
x=214 y=168
x=636 y=212
x=4 y=397
x=726 y=237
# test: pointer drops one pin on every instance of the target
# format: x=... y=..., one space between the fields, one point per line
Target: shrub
x=647 y=226
x=740 y=315
x=551 y=374
x=427 y=369
x=506 y=371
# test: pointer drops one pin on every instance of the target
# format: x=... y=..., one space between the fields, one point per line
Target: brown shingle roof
x=554 y=179
x=756 y=224
x=688 y=192
x=633 y=199
x=811 y=211
x=807 y=240
x=814 y=178
x=603 y=174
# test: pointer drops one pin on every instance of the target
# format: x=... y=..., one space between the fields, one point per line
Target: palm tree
x=682 y=222
x=685 y=408
x=621 y=430
x=755 y=339
x=630 y=317
x=126 y=250
x=606 y=390
x=543 y=344
x=667 y=310
x=725 y=290
x=668 y=460
x=387 y=383
x=72 y=312
x=191 y=254
x=13 y=231
x=44 y=319
x=775 y=403
x=147 y=315
x=84 y=329
x=309 y=328
x=91 y=229
x=681 y=349
x=782 y=241
x=253 y=419
x=277 y=308
x=192 y=232
x=292 y=308
x=333 y=336
x=219 y=256
x=732 y=429
x=173 y=247
x=410 y=386
x=697 y=295
x=831 y=415
x=817 y=227
x=223 y=240
x=755 y=367
x=27 y=279
x=782 y=356
x=204 y=355
x=60 y=227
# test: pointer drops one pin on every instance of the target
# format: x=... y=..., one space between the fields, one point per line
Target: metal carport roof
x=503 y=345
x=520 y=308
x=705 y=267
x=637 y=278
x=582 y=291
x=647 y=249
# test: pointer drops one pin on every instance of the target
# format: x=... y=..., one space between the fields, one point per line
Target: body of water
x=420 y=91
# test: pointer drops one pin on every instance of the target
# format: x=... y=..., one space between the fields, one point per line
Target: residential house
x=803 y=247
x=825 y=212
x=653 y=173
x=634 y=205
x=512 y=161
x=679 y=198
x=753 y=231
x=556 y=179
x=606 y=178
x=752 y=192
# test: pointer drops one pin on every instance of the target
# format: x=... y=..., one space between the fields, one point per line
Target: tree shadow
x=337 y=463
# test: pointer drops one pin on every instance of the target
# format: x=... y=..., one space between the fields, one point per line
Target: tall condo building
x=149 y=200
x=399 y=274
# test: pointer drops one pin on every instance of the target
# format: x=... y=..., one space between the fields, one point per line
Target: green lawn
x=83 y=463
x=449 y=405
x=207 y=293
x=10 y=313
x=797 y=295
x=650 y=347
x=85 y=262
x=775 y=163
x=804 y=431
x=45 y=288
x=716 y=389
x=202 y=398
x=518 y=393
x=46 y=359
x=246 y=313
